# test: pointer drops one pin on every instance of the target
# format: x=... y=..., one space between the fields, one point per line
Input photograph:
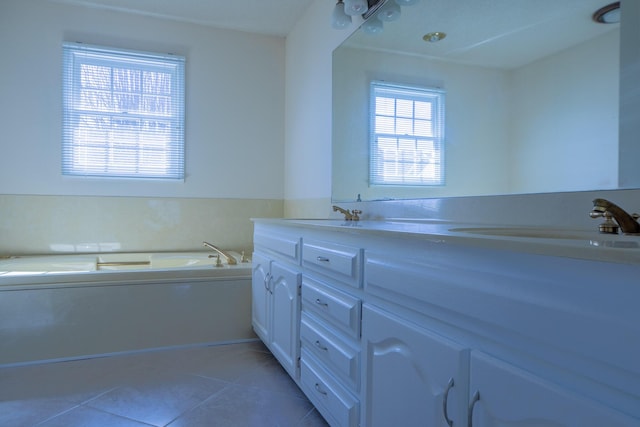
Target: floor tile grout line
x=122 y=416
x=75 y=406
x=197 y=405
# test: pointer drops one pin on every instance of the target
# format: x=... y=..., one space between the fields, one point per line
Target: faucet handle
x=608 y=226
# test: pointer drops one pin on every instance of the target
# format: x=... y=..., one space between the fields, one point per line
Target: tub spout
x=230 y=259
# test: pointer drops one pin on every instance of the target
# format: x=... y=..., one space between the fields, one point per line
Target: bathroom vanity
x=417 y=323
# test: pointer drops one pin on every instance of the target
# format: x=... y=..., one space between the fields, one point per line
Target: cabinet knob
x=322 y=259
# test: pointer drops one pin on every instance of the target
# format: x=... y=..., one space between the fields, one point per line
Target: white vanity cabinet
x=401 y=328
x=276 y=287
x=414 y=377
x=503 y=395
x=524 y=338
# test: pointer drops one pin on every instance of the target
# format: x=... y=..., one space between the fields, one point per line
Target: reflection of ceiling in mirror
x=489 y=32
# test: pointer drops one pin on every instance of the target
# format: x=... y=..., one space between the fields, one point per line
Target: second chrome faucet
x=627 y=223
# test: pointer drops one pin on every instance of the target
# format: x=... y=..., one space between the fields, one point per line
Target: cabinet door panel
x=511 y=397
x=260 y=296
x=408 y=370
x=285 y=285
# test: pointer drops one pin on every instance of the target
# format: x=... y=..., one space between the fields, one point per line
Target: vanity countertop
x=579 y=244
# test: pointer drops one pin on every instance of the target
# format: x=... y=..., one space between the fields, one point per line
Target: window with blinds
x=123 y=113
x=407 y=135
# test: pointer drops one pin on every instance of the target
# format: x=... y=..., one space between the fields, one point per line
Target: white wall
x=565 y=123
x=308 y=111
x=234 y=102
x=234 y=137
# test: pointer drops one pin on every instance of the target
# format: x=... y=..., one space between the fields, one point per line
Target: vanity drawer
x=333 y=352
x=336 y=404
x=341 y=262
x=336 y=307
x=285 y=246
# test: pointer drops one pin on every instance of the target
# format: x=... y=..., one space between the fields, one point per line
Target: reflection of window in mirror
x=407 y=135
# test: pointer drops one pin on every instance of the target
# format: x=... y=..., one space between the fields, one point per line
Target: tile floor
x=228 y=385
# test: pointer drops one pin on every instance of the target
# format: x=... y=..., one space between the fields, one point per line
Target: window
x=123 y=113
x=407 y=135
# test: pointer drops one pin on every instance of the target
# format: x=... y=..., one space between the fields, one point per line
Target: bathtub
x=63 y=307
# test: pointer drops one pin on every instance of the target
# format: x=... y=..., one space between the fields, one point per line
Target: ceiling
x=494 y=33
x=481 y=32
x=271 y=17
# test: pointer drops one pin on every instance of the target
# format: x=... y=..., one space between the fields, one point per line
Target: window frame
x=435 y=97
x=115 y=140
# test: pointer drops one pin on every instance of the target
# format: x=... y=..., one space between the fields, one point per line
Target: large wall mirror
x=531 y=88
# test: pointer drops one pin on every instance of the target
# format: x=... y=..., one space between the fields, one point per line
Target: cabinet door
x=285 y=314
x=506 y=396
x=261 y=296
x=412 y=376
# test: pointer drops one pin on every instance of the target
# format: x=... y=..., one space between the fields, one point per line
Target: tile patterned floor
x=230 y=385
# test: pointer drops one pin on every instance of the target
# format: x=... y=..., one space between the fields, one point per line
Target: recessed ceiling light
x=609 y=14
x=434 y=37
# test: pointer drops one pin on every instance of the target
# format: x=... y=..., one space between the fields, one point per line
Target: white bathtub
x=87 y=263
x=63 y=307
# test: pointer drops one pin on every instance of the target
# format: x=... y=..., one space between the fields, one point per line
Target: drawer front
x=286 y=247
x=334 y=353
x=338 y=308
x=337 y=261
x=337 y=405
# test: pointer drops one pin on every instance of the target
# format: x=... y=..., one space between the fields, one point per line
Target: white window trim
x=110 y=139
x=377 y=163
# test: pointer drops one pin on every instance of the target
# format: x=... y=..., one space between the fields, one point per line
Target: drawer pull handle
x=474 y=400
x=445 y=410
x=320 y=346
x=322 y=259
x=322 y=303
x=320 y=390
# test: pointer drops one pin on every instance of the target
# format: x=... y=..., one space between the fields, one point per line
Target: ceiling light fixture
x=355 y=7
x=434 y=37
x=609 y=14
x=339 y=19
x=372 y=26
x=390 y=11
x=374 y=12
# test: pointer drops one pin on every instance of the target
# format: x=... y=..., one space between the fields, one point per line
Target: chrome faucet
x=228 y=257
x=605 y=209
x=348 y=215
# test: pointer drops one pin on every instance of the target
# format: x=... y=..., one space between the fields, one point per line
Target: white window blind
x=123 y=113
x=407 y=135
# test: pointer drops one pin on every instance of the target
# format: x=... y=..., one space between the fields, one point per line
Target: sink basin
x=537 y=233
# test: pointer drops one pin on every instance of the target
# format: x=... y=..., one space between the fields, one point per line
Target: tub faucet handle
x=219 y=261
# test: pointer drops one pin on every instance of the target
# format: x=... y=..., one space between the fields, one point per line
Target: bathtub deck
x=228 y=385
